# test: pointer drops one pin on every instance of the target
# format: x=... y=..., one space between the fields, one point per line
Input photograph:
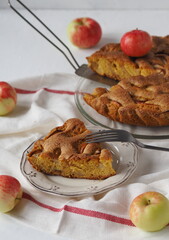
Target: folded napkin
x=43 y=103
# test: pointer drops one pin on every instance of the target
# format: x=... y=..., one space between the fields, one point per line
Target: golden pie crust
x=64 y=152
x=112 y=62
x=141 y=101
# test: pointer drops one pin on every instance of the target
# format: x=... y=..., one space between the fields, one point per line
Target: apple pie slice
x=112 y=62
x=64 y=152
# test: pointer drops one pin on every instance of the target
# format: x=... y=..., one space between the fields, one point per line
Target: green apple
x=10 y=193
x=150 y=211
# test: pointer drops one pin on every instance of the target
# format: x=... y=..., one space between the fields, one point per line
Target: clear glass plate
x=87 y=86
x=125 y=162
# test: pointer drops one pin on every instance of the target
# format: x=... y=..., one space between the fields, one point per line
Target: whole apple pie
x=64 y=152
x=141 y=96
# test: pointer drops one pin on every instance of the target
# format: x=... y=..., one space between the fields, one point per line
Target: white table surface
x=23 y=53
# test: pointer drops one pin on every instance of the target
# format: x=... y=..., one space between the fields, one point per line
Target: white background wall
x=92 y=4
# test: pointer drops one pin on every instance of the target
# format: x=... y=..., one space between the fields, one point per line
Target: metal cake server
x=83 y=70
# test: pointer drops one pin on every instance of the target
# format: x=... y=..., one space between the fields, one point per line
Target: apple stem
x=18 y=198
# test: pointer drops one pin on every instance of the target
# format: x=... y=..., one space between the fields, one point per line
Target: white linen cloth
x=48 y=101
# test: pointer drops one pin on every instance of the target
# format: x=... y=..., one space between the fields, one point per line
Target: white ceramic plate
x=87 y=86
x=125 y=162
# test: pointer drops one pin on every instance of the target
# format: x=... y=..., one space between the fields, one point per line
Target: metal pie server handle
x=70 y=58
x=83 y=71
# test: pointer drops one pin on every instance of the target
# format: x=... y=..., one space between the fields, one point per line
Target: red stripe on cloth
x=59 y=91
x=23 y=91
x=81 y=211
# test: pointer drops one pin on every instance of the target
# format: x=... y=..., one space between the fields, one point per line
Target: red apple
x=10 y=193
x=8 y=98
x=150 y=211
x=84 y=32
x=136 y=43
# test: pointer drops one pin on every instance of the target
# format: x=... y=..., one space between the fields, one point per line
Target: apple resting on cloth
x=84 y=32
x=8 y=98
x=10 y=193
x=136 y=43
x=150 y=211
